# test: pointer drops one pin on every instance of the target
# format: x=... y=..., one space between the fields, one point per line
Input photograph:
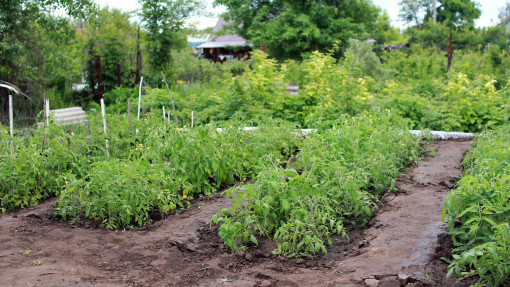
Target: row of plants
x=478 y=212
x=154 y=166
x=155 y=171
x=332 y=185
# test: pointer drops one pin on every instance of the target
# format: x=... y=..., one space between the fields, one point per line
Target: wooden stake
x=143 y=113
x=191 y=118
x=104 y=126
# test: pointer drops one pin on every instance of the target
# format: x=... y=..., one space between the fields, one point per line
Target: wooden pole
x=104 y=127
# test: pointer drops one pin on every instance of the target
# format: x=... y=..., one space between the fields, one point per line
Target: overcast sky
x=490 y=10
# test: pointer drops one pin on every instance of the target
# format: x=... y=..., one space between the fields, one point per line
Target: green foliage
x=292 y=29
x=362 y=61
x=164 y=21
x=152 y=172
x=481 y=203
x=34 y=172
x=338 y=174
x=109 y=34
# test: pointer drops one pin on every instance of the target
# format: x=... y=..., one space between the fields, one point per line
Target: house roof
x=224 y=40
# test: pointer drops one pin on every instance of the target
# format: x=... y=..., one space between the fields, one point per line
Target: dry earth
x=401 y=246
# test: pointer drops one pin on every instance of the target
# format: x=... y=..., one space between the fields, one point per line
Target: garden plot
x=183 y=251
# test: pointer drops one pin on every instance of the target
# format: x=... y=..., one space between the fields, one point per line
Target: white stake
x=11 y=112
x=164 y=114
x=104 y=126
x=140 y=96
x=47 y=104
x=10 y=115
x=169 y=117
x=191 y=118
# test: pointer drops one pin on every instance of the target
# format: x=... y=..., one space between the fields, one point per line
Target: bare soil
x=401 y=246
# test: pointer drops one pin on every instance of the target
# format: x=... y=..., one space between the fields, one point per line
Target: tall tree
x=452 y=13
x=110 y=35
x=413 y=11
x=164 y=22
x=293 y=28
x=456 y=13
x=36 y=47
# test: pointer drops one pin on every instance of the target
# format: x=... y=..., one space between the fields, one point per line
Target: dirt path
x=407 y=237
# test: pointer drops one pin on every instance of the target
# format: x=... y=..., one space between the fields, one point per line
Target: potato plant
x=481 y=204
x=162 y=167
x=334 y=185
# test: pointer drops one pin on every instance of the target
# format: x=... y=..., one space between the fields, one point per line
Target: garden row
x=478 y=212
x=333 y=186
x=152 y=171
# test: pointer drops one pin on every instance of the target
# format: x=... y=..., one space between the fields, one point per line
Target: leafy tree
x=412 y=11
x=164 y=24
x=457 y=13
x=109 y=35
x=36 y=48
x=453 y=13
x=292 y=29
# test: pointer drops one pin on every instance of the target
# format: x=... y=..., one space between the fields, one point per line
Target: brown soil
x=400 y=247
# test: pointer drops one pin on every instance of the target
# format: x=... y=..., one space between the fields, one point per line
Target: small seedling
x=36 y=263
x=26 y=252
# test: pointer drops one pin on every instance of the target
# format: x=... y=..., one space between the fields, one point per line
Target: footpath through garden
x=401 y=246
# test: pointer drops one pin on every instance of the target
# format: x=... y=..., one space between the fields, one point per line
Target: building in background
x=220 y=48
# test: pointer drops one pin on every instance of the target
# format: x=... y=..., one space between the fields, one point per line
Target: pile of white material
x=69 y=116
x=439 y=135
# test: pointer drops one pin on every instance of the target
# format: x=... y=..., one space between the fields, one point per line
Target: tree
x=453 y=13
x=457 y=13
x=413 y=11
x=292 y=29
x=36 y=48
x=164 y=23
x=109 y=35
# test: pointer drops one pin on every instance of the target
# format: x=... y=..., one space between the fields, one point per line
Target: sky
x=490 y=11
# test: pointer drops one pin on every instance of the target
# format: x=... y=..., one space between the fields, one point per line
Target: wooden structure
x=224 y=47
